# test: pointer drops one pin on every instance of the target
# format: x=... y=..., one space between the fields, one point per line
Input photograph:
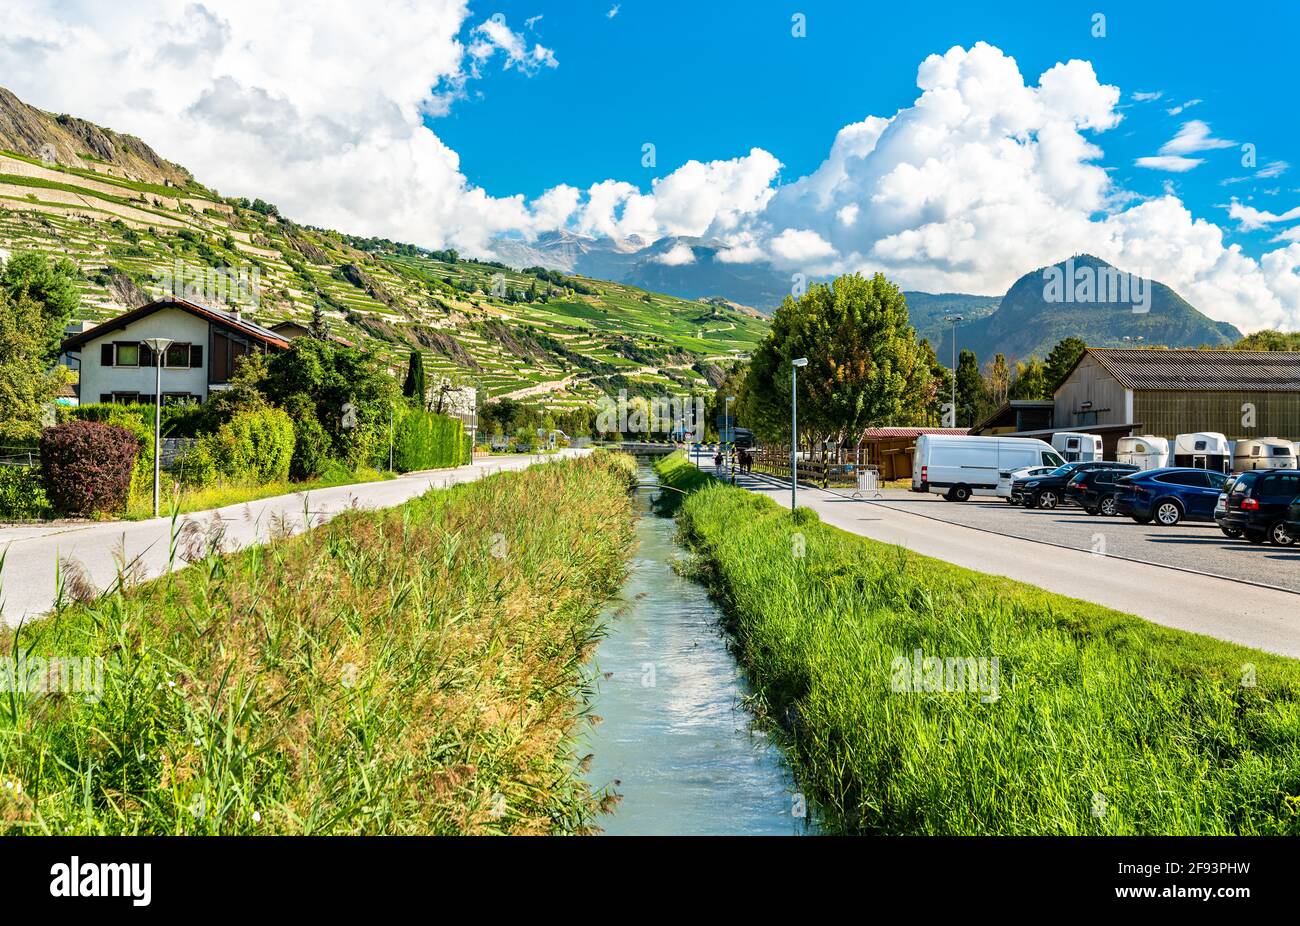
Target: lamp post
x=730 y=438
x=794 y=429
x=159 y=347
x=954 y=319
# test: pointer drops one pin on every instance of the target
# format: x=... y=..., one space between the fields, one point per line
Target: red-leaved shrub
x=87 y=466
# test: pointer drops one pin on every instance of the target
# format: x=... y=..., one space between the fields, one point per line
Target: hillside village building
x=117 y=366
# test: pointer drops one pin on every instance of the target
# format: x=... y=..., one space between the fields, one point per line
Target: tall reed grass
x=1102 y=723
x=406 y=671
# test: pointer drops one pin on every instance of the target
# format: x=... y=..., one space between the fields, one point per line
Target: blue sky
x=711 y=80
x=951 y=146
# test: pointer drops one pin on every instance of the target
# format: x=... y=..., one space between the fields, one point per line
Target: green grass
x=1103 y=724
x=184 y=499
x=414 y=670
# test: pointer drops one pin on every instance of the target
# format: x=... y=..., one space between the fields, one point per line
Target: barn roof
x=1203 y=370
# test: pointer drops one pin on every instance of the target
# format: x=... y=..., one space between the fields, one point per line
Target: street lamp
x=731 y=433
x=954 y=319
x=794 y=429
x=159 y=347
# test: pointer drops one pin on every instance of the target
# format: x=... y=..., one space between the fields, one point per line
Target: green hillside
x=126 y=217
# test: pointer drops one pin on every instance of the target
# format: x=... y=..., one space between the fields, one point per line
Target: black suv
x=1254 y=505
x=1094 y=490
x=1049 y=491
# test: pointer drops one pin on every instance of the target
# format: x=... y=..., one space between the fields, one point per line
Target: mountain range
x=1024 y=321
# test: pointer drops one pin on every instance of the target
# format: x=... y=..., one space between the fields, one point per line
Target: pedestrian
x=717 y=462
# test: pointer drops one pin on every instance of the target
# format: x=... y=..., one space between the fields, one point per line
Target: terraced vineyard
x=128 y=224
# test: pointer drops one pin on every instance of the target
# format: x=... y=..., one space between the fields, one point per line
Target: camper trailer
x=1263 y=453
x=1144 y=452
x=1203 y=450
x=1076 y=447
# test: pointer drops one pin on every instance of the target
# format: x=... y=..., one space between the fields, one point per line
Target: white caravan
x=1145 y=452
x=1077 y=447
x=1203 y=450
x=959 y=466
x=1263 y=453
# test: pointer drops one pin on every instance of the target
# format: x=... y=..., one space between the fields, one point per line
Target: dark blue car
x=1169 y=495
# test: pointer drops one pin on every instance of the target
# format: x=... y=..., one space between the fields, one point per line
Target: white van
x=960 y=466
x=1077 y=447
x=1144 y=452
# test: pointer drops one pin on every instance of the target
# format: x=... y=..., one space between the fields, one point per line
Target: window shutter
x=106 y=355
x=196 y=356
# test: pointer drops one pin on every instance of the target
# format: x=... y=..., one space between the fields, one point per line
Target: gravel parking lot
x=1195 y=545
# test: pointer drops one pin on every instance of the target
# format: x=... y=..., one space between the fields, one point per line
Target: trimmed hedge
x=424 y=440
x=87 y=466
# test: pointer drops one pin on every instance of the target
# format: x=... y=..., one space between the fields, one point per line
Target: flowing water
x=676 y=741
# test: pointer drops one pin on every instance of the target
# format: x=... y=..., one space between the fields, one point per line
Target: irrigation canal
x=676 y=741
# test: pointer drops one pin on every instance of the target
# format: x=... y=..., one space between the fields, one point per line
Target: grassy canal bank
x=919 y=697
x=414 y=670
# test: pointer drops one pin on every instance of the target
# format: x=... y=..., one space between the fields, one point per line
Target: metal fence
x=19 y=456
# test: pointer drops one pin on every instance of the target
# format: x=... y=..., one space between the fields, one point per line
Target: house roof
x=301 y=330
x=218 y=316
x=895 y=433
x=1151 y=368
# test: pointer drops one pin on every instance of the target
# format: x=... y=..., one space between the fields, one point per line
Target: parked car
x=1049 y=491
x=1007 y=478
x=1293 y=518
x=1169 y=494
x=1094 y=490
x=1257 y=506
x=959 y=466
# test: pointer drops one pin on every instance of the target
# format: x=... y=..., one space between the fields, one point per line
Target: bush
x=87 y=466
x=136 y=418
x=311 y=446
x=253 y=447
x=22 y=495
x=423 y=440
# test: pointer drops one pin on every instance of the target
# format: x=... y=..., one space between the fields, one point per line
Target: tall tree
x=1060 y=359
x=1030 y=381
x=52 y=287
x=970 y=389
x=27 y=387
x=940 y=391
x=865 y=366
x=319 y=326
x=998 y=381
x=1269 y=340
x=415 y=388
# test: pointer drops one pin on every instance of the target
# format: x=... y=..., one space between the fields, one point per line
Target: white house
x=116 y=366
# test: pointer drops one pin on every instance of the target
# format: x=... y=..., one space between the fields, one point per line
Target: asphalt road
x=1158 y=589
x=1194 y=545
x=27 y=582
